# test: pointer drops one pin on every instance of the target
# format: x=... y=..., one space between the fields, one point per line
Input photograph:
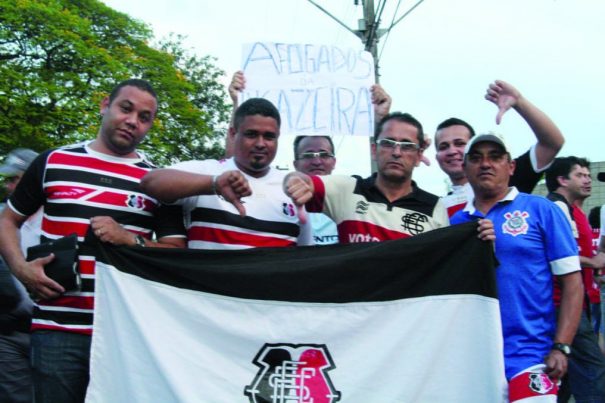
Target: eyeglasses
x=324 y=155
x=403 y=145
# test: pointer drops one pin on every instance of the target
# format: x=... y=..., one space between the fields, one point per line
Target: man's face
x=579 y=184
x=450 y=143
x=314 y=156
x=126 y=120
x=396 y=163
x=488 y=168
x=11 y=182
x=255 y=144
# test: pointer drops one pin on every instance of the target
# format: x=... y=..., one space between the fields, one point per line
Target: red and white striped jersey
x=270 y=221
x=75 y=183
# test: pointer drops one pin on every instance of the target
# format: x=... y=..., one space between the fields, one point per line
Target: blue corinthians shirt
x=533 y=243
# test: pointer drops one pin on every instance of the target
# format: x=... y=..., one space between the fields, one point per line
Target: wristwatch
x=562 y=347
x=139 y=240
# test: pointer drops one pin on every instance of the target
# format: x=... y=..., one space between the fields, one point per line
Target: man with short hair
x=569 y=182
x=93 y=185
x=388 y=204
x=533 y=244
x=314 y=155
x=235 y=203
x=453 y=134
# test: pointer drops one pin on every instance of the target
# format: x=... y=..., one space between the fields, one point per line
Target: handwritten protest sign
x=318 y=89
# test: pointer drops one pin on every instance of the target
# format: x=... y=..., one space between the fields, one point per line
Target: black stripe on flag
x=408 y=268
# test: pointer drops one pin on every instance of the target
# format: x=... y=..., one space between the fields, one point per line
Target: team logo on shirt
x=293 y=373
x=362 y=207
x=540 y=383
x=516 y=223
x=413 y=223
x=136 y=202
x=288 y=209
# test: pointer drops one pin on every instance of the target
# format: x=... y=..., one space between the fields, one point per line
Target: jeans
x=15 y=370
x=585 y=377
x=60 y=362
x=595 y=316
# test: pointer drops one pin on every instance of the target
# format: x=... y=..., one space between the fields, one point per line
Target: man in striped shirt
x=235 y=203
x=91 y=185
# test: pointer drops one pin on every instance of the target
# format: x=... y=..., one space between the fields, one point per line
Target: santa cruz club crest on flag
x=293 y=373
x=516 y=223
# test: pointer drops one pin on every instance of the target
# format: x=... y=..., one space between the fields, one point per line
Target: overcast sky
x=436 y=63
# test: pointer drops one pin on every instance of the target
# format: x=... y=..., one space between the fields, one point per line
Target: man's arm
x=237 y=85
x=567 y=324
x=381 y=101
x=29 y=273
x=108 y=230
x=550 y=139
x=169 y=185
x=299 y=187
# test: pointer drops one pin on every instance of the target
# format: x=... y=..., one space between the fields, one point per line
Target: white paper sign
x=318 y=89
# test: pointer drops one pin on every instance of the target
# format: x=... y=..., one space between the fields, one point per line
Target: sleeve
x=316 y=204
x=560 y=246
x=525 y=177
x=169 y=221
x=331 y=195
x=29 y=195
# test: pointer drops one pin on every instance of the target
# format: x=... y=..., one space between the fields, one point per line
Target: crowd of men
x=107 y=189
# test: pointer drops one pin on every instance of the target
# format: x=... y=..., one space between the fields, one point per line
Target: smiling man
x=388 y=204
x=95 y=186
x=235 y=203
x=453 y=134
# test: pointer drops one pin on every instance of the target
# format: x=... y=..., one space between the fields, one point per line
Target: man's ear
x=513 y=165
x=562 y=181
x=373 y=151
x=104 y=106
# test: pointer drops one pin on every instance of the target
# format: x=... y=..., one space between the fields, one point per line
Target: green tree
x=59 y=58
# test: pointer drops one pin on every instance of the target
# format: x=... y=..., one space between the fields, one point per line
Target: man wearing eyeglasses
x=314 y=155
x=388 y=204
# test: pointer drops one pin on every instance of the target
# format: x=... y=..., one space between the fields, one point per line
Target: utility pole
x=369 y=31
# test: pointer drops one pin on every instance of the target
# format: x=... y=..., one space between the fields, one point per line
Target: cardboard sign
x=318 y=89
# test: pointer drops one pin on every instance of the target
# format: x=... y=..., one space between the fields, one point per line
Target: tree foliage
x=59 y=58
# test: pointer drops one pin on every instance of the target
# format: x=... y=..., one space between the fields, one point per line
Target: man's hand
x=232 y=186
x=381 y=101
x=299 y=188
x=108 y=230
x=237 y=85
x=599 y=261
x=556 y=364
x=504 y=96
x=32 y=275
x=486 y=230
